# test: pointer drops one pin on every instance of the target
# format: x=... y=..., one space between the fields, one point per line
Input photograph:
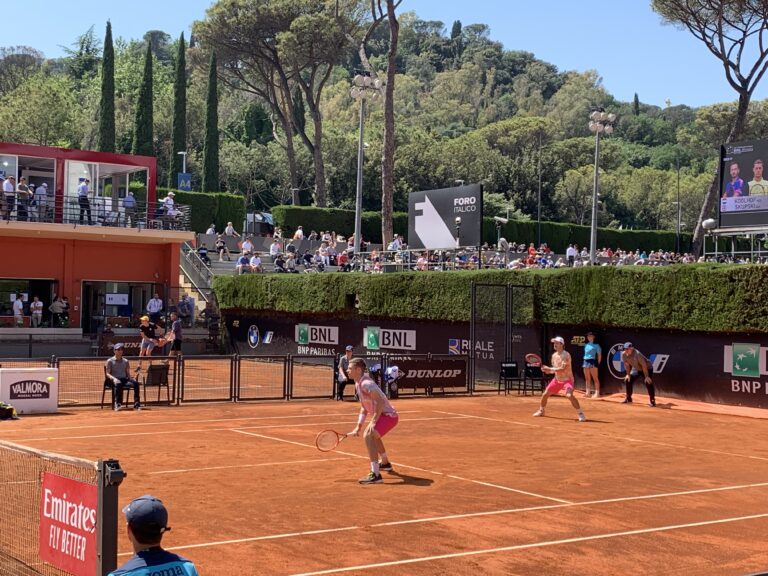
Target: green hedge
x=206 y=208
x=557 y=235
x=695 y=297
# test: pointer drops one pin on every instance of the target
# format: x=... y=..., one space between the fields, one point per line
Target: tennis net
x=31 y=480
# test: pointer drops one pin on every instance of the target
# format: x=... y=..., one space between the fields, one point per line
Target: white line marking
x=401 y=465
x=491 y=419
x=167 y=422
x=511 y=489
x=255 y=539
x=572 y=504
x=316 y=461
x=533 y=545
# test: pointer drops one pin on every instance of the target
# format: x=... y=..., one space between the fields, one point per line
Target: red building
x=108 y=268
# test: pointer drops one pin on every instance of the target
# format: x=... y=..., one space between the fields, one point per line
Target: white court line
x=315 y=461
x=638 y=440
x=158 y=432
x=533 y=545
x=167 y=422
x=571 y=504
x=255 y=539
x=401 y=465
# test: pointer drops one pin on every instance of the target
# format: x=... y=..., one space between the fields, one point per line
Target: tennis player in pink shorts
x=563 y=380
x=383 y=419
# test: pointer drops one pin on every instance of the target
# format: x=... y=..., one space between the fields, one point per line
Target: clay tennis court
x=480 y=486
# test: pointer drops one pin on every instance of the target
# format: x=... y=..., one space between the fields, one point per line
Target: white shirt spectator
x=571 y=252
x=255 y=263
x=230 y=230
x=168 y=204
x=211 y=229
x=299 y=235
x=18 y=308
x=154 y=306
x=247 y=245
x=395 y=244
x=9 y=188
x=82 y=189
x=274 y=249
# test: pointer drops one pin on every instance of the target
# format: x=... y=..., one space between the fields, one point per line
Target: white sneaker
x=582 y=418
x=539 y=412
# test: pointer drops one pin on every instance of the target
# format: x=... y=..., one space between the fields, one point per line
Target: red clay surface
x=481 y=487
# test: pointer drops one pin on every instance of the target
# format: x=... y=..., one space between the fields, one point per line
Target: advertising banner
x=446 y=218
x=68 y=524
x=30 y=390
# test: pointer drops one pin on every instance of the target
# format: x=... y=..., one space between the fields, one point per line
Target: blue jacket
x=156 y=562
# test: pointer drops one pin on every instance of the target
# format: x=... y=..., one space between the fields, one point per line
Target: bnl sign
x=184 y=181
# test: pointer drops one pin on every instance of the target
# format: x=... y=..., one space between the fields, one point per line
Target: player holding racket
x=383 y=419
x=561 y=368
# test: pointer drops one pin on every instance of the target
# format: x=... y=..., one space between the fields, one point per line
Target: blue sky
x=623 y=40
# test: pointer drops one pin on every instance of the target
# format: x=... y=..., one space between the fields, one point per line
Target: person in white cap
x=563 y=378
x=146 y=522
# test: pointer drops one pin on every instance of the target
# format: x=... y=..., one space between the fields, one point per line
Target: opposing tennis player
x=563 y=379
x=383 y=419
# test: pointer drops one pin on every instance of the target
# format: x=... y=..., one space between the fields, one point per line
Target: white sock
x=375 y=468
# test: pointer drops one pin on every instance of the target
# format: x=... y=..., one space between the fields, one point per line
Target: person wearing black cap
x=146 y=522
x=342 y=378
x=634 y=363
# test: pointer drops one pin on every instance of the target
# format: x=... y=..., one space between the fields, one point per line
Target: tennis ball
x=50 y=378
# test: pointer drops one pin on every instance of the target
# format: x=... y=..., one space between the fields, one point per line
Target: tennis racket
x=533 y=359
x=327 y=440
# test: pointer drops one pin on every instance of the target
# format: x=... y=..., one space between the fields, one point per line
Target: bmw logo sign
x=253 y=336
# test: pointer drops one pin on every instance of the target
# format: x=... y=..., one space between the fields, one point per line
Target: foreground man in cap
x=147 y=520
x=634 y=363
x=561 y=368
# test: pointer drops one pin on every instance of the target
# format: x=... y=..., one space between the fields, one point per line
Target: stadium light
x=600 y=122
x=363 y=87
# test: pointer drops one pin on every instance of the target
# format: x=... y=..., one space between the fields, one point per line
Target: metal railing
x=99 y=211
x=196 y=270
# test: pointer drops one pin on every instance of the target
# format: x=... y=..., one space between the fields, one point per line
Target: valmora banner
x=68 y=524
x=446 y=218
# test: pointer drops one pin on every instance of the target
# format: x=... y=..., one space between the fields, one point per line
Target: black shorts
x=176 y=345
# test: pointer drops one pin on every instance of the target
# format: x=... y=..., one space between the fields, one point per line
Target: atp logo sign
x=616 y=367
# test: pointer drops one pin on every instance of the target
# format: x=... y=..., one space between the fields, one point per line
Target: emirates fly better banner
x=433 y=214
x=68 y=524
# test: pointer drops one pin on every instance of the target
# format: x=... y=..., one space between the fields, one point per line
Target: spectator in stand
x=323 y=252
x=129 y=205
x=211 y=229
x=83 y=200
x=221 y=248
x=243 y=266
x=312 y=236
x=308 y=261
x=230 y=230
x=343 y=261
x=274 y=249
x=422 y=263
x=168 y=205
x=570 y=254
x=154 y=308
x=255 y=263
x=18 y=311
x=332 y=255
x=36 y=312
x=247 y=245
x=531 y=250
x=280 y=264
x=395 y=245
x=351 y=242
x=184 y=309
x=41 y=202
x=23 y=196
x=203 y=253
x=290 y=263
x=9 y=192
x=326 y=237
x=299 y=234
x=56 y=309
x=278 y=233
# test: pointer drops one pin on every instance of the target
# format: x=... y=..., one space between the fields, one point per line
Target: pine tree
x=179 y=131
x=636 y=106
x=142 y=128
x=107 y=104
x=211 y=145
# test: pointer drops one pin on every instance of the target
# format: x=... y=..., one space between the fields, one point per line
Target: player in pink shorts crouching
x=561 y=368
x=383 y=419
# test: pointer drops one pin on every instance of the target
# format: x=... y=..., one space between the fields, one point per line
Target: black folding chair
x=157 y=375
x=534 y=378
x=509 y=375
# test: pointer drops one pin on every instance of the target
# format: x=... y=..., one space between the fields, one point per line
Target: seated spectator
x=255 y=263
x=211 y=229
x=422 y=264
x=221 y=248
x=280 y=264
x=395 y=244
x=278 y=233
x=243 y=265
x=203 y=253
x=312 y=236
x=118 y=371
x=323 y=251
x=274 y=249
x=307 y=259
x=230 y=230
x=299 y=234
x=247 y=245
x=290 y=263
x=318 y=261
x=343 y=261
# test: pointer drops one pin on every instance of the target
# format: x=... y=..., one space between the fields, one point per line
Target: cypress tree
x=143 y=125
x=211 y=145
x=636 y=105
x=107 y=104
x=179 y=131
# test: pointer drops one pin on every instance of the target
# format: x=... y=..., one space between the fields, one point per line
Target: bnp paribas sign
x=445 y=218
x=376 y=338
